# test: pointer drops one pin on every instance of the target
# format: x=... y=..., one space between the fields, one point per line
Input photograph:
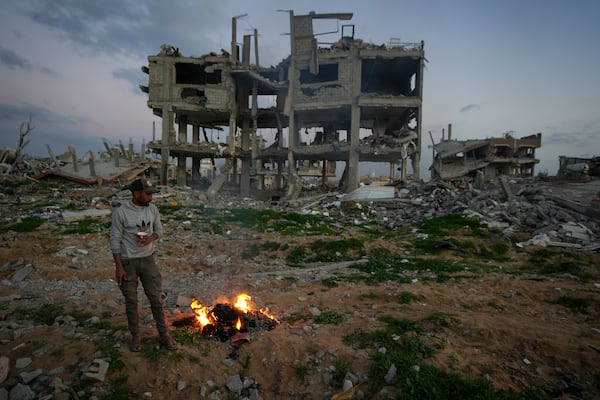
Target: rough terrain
x=502 y=322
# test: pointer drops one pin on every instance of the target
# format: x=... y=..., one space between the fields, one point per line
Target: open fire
x=225 y=320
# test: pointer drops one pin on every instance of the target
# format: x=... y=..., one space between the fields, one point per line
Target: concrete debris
x=115 y=165
x=97 y=370
x=73 y=216
x=21 y=274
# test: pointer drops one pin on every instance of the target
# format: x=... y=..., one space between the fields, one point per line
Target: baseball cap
x=142 y=184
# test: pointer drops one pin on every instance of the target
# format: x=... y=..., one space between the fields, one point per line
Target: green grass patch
x=330 y=282
x=575 y=304
x=442 y=232
x=329 y=318
x=188 y=336
x=302 y=370
x=549 y=261
x=326 y=251
x=446 y=224
x=108 y=349
x=368 y=296
x=341 y=366
x=296 y=256
x=407 y=297
x=44 y=314
x=27 y=224
x=403 y=344
x=385 y=266
x=275 y=221
x=272 y=246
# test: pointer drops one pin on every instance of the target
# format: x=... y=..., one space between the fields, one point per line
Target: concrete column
x=353 y=161
x=245 y=173
x=130 y=151
x=92 y=163
x=116 y=157
x=279 y=178
x=352 y=165
x=416 y=158
x=181 y=159
x=231 y=142
x=292 y=136
x=195 y=160
x=245 y=178
x=166 y=140
x=122 y=149
x=74 y=158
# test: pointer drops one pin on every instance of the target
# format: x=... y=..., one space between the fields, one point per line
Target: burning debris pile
x=231 y=321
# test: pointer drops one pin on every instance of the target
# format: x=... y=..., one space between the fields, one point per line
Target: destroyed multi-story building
x=505 y=156
x=359 y=101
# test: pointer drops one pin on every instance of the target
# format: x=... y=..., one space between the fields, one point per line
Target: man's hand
x=146 y=240
x=120 y=275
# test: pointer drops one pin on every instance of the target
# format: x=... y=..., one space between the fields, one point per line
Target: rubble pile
x=559 y=215
x=530 y=207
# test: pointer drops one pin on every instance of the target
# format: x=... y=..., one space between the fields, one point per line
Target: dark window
x=195 y=74
x=327 y=73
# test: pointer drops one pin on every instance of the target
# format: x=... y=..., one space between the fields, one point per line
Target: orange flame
x=265 y=312
x=204 y=315
x=241 y=302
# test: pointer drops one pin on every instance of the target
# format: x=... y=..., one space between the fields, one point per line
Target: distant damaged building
x=506 y=156
x=339 y=101
x=578 y=168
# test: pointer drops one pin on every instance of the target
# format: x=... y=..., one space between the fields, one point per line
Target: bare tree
x=24 y=131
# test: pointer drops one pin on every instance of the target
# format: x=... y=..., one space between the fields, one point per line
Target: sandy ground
x=501 y=325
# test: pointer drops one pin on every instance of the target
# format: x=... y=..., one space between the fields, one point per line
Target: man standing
x=135 y=227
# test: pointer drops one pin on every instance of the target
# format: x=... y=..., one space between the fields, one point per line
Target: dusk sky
x=524 y=66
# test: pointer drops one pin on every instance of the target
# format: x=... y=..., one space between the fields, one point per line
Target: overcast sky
x=524 y=66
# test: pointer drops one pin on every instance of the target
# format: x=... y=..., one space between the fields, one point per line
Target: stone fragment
x=235 y=384
x=102 y=368
x=21 y=392
x=41 y=350
x=11 y=264
x=21 y=274
x=22 y=362
x=28 y=377
x=347 y=385
x=390 y=376
x=314 y=311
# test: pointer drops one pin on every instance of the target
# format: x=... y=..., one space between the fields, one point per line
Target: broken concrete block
x=21 y=392
x=11 y=264
x=28 y=377
x=102 y=367
x=22 y=362
x=22 y=273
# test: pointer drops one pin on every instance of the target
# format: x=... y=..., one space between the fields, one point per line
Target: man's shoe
x=136 y=344
x=167 y=342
